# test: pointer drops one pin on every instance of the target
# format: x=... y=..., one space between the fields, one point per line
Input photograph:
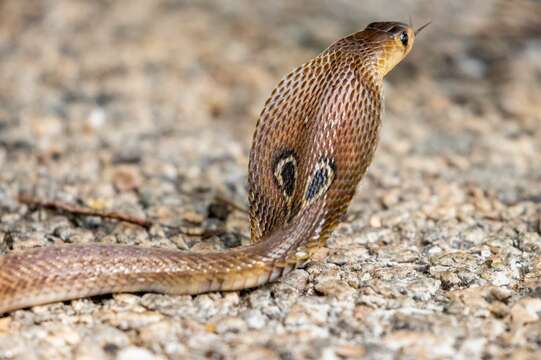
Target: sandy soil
x=148 y=107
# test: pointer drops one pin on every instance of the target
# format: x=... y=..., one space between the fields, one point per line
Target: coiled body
x=313 y=142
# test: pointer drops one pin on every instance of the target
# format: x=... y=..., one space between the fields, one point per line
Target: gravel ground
x=148 y=107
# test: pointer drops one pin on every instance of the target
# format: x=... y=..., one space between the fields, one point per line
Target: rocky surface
x=147 y=107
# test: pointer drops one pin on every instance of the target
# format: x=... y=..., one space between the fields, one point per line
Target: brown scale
x=314 y=140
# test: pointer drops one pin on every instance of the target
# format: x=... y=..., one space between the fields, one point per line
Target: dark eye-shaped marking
x=404 y=38
x=322 y=177
x=285 y=173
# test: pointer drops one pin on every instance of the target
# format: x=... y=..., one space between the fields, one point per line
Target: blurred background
x=80 y=77
x=148 y=107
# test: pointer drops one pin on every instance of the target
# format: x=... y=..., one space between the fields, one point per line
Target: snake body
x=313 y=142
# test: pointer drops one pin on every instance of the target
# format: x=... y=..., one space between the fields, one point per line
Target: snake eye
x=404 y=38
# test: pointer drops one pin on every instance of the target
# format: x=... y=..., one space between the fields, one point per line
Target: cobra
x=313 y=142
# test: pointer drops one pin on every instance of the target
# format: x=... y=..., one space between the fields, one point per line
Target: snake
x=314 y=140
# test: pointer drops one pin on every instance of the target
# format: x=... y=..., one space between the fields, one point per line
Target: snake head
x=392 y=42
